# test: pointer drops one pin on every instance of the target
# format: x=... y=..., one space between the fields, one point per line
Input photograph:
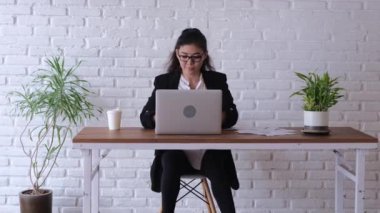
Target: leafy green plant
x=320 y=93
x=58 y=97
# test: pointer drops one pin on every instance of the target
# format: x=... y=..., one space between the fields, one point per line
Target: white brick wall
x=257 y=43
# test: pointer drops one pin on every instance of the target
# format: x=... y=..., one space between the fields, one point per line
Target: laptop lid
x=188 y=111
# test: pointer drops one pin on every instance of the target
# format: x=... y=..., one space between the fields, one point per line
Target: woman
x=190 y=68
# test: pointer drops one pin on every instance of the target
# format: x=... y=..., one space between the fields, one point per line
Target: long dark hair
x=190 y=36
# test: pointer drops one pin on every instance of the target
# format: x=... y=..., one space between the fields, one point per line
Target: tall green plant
x=59 y=97
x=320 y=92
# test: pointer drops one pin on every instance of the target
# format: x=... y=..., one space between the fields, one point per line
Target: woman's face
x=191 y=58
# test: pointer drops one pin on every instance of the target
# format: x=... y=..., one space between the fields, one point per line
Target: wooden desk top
x=140 y=135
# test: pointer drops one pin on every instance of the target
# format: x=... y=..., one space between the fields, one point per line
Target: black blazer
x=212 y=80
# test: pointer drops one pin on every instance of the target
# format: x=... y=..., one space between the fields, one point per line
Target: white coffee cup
x=114 y=119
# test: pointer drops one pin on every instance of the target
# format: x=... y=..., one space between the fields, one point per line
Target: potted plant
x=58 y=97
x=319 y=94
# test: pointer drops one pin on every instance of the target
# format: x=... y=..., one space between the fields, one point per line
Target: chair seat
x=192 y=176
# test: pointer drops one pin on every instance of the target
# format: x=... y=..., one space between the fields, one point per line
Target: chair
x=206 y=196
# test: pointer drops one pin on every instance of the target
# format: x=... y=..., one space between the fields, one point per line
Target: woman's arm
x=230 y=113
x=149 y=110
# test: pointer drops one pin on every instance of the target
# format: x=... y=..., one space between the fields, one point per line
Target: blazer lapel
x=174 y=80
x=209 y=81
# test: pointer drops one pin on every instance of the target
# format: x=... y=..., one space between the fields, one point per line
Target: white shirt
x=194 y=156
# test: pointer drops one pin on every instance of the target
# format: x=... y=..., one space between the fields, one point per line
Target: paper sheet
x=267 y=131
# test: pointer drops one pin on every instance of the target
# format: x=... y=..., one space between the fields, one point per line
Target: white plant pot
x=316 y=120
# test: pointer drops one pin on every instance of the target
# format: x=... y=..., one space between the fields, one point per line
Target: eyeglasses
x=193 y=58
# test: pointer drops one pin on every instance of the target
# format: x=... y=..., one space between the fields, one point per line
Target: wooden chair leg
x=208 y=195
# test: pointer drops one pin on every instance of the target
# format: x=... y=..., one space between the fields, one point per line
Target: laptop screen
x=188 y=111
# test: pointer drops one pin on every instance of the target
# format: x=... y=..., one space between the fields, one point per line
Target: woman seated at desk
x=190 y=69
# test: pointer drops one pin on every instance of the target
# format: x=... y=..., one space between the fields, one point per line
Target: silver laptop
x=188 y=112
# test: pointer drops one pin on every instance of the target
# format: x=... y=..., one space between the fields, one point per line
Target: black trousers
x=175 y=163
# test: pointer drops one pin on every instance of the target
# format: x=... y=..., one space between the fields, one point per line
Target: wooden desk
x=91 y=139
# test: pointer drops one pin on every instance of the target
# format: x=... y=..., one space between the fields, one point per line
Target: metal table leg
x=359 y=183
x=95 y=182
x=87 y=153
x=339 y=178
x=343 y=170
